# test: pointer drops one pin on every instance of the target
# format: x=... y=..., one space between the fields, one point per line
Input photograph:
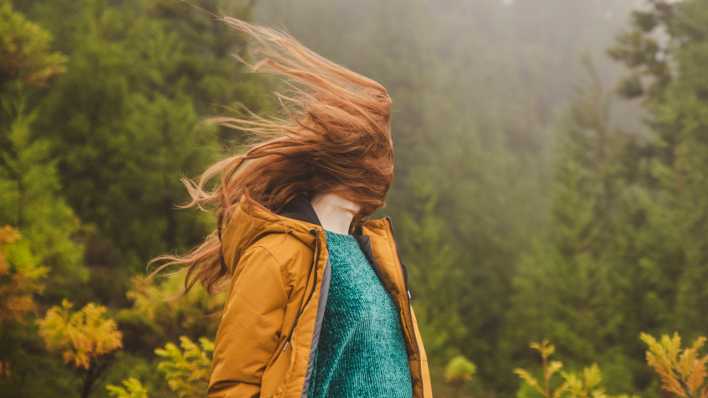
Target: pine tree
x=571 y=287
x=126 y=139
x=665 y=52
x=433 y=268
x=42 y=257
x=32 y=193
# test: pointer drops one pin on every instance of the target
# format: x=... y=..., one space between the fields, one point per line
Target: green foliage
x=25 y=54
x=32 y=202
x=584 y=384
x=645 y=54
x=131 y=388
x=675 y=155
x=186 y=368
x=459 y=370
x=29 y=181
x=432 y=271
x=45 y=261
x=129 y=137
x=549 y=369
x=573 y=286
x=159 y=312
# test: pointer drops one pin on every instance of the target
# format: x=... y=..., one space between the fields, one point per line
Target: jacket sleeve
x=250 y=326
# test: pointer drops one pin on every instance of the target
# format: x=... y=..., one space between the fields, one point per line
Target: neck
x=334 y=211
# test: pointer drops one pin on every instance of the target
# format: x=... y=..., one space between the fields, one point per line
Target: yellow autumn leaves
x=129 y=388
x=80 y=336
x=86 y=337
x=185 y=368
x=584 y=384
x=682 y=371
x=20 y=276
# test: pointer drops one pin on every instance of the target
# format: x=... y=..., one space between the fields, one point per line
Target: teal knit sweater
x=361 y=351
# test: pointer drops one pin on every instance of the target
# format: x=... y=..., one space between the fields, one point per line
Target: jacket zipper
x=302 y=306
x=318 y=320
x=404 y=273
x=409 y=317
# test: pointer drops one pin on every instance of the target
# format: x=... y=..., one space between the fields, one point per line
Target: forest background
x=552 y=181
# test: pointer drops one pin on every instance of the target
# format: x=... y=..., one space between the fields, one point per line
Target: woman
x=318 y=303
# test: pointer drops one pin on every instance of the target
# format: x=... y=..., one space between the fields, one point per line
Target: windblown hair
x=333 y=136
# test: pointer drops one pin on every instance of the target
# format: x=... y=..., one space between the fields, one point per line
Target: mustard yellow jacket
x=270 y=326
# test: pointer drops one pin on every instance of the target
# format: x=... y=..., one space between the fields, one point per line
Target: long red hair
x=333 y=136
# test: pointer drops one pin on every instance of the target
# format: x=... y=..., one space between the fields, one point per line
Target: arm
x=250 y=326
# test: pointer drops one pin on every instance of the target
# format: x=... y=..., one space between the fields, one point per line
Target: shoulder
x=283 y=247
x=289 y=255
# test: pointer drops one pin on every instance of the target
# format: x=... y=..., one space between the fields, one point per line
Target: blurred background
x=552 y=160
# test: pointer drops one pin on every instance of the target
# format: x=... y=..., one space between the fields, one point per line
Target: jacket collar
x=301 y=209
